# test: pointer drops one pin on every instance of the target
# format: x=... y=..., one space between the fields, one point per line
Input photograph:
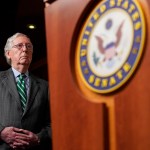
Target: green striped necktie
x=22 y=90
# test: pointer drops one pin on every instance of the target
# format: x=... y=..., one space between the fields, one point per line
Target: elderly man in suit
x=23 y=125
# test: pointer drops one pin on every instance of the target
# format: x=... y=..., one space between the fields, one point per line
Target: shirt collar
x=16 y=73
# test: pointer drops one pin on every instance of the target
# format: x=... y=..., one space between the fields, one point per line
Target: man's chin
x=25 y=63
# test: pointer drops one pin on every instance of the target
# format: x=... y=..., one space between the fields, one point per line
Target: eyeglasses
x=20 y=46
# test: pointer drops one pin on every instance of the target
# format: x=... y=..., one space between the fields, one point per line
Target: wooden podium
x=82 y=119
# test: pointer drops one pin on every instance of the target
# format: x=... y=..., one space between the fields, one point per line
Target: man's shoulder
x=38 y=79
x=4 y=73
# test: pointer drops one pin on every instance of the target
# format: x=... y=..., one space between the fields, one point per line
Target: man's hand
x=31 y=138
x=19 y=138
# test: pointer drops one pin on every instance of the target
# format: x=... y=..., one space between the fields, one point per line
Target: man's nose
x=24 y=48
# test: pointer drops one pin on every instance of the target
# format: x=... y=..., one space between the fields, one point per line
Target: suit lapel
x=9 y=81
x=33 y=85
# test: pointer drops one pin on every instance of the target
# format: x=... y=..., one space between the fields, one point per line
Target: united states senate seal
x=110 y=44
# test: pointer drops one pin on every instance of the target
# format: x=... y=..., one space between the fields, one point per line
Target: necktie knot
x=22 y=76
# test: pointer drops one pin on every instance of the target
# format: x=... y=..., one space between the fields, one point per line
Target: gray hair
x=9 y=44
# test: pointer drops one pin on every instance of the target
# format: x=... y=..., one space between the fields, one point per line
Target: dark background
x=15 y=16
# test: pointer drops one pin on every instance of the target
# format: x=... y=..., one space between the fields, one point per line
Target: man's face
x=21 y=52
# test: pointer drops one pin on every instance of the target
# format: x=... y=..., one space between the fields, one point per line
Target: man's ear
x=7 y=54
